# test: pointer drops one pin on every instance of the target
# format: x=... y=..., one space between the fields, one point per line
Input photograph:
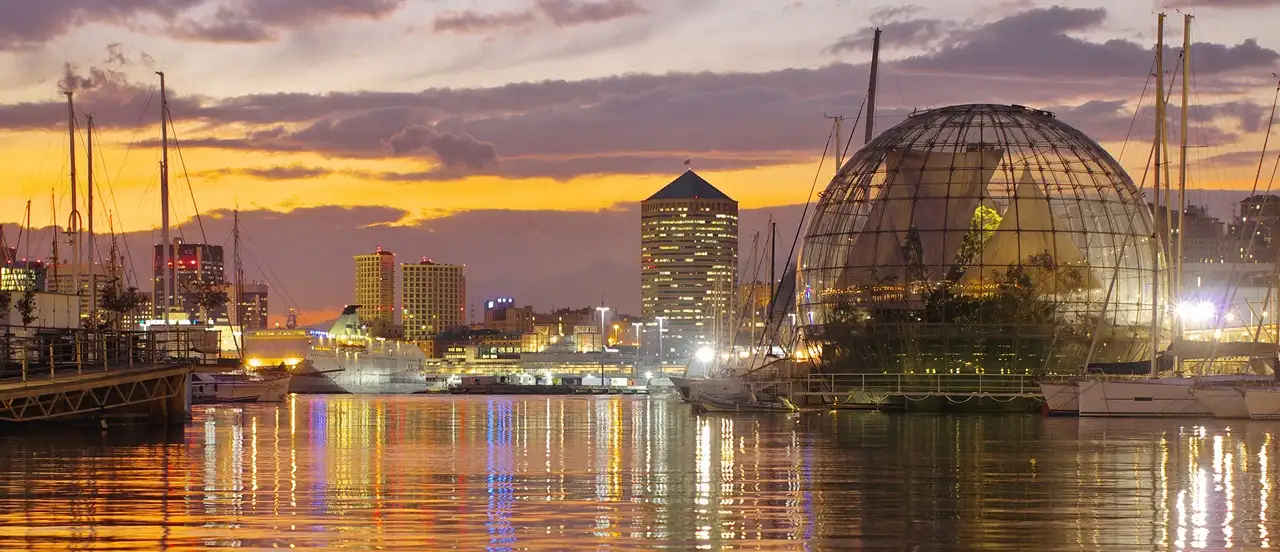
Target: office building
x=502 y=315
x=434 y=298
x=376 y=291
x=196 y=266
x=20 y=274
x=689 y=259
x=252 y=310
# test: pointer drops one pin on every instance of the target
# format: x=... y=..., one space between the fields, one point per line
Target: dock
x=515 y=389
x=62 y=374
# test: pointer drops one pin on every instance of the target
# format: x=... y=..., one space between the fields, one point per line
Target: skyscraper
x=196 y=265
x=689 y=260
x=376 y=291
x=434 y=299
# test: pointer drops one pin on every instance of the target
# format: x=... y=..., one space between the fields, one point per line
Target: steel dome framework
x=979 y=239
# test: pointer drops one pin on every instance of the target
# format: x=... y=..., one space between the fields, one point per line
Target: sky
x=518 y=136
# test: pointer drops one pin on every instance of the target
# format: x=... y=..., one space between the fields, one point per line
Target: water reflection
x=431 y=473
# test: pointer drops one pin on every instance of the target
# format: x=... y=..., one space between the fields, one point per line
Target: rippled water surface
x=475 y=473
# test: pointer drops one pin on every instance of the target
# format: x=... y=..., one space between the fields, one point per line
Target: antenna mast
x=166 y=304
x=871 y=87
x=53 y=261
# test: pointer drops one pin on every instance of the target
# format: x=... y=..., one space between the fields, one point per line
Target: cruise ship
x=343 y=360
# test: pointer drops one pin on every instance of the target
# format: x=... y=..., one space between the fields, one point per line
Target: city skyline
x=415 y=153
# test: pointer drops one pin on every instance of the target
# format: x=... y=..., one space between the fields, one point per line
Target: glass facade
x=980 y=239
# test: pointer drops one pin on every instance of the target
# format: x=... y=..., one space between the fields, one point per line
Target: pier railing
x=993 y=385
x=28 y=353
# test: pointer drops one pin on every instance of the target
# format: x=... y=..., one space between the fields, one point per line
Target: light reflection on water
x=494 y=473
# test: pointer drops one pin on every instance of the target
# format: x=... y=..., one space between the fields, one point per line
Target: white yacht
x=239 y=387
x=343 y=360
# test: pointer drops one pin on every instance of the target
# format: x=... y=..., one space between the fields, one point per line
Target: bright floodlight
x=705 y=354
x=1195 y=311
x=648 y=375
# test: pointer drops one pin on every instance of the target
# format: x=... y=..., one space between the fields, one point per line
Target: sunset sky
x=517 y=136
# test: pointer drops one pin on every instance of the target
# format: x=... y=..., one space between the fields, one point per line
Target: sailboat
x=1176 y=396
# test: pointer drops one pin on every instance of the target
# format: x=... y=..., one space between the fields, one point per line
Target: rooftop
x=689 y=186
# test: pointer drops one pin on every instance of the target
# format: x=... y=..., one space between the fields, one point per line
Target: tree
x=210 y=295
x=119 y=301
x=27 y=307
x=6 y=301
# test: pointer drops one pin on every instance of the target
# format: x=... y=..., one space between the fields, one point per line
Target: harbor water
x=619 y=473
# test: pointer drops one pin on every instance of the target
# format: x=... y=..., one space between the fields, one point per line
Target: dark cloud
x=913 y=33
x=567 y=13
x=479 y=22
x=290 y=172
x=561 y=13
x=632 y=123
x=1034 y=44
x=26 y=24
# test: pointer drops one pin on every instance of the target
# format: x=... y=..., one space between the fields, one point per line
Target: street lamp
x=637 y=326
x=602 y=310
x=660 y=319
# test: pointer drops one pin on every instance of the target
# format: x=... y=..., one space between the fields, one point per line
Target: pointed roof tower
x=689 y=186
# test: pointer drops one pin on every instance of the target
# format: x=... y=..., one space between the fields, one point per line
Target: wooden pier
x=58 y=374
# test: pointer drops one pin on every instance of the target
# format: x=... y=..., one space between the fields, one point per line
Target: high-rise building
x=376 y=291
x=434 y=299
x=65 y=282
x=197 y=266
x=689 y=260
x=252 y=312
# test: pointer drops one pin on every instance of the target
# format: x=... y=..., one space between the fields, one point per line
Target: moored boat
x=1263 y=403
x=239 y=387
x=1222 y=402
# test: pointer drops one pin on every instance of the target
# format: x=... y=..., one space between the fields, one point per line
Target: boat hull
x=1222 y=402
x=1063 y=398
x=1263 y=404
x=390 y=368
x=1171 y=398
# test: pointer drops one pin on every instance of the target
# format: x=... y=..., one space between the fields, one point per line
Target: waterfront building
x=434 y=298
x=196 y=266
x=65 y=283
x=980 y=239
x=688 y=265
x=251 y=312
x=376 y=291
x=502 y=315
x=137 y=318
x=21 y=274
x=1259 y=216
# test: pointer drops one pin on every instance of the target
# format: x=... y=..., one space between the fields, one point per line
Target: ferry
x=343 y=360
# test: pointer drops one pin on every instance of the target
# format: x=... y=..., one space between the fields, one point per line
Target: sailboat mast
x=1157 y=240
x=73 y=220
x=871 y=87
x=93 y=287
x=166 y=280
x=53 y=261
x=1182 y=171
x=237 y=270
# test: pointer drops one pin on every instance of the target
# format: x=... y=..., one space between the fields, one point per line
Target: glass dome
x=984 y=239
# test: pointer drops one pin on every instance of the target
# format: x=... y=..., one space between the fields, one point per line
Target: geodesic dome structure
x=984 y=239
